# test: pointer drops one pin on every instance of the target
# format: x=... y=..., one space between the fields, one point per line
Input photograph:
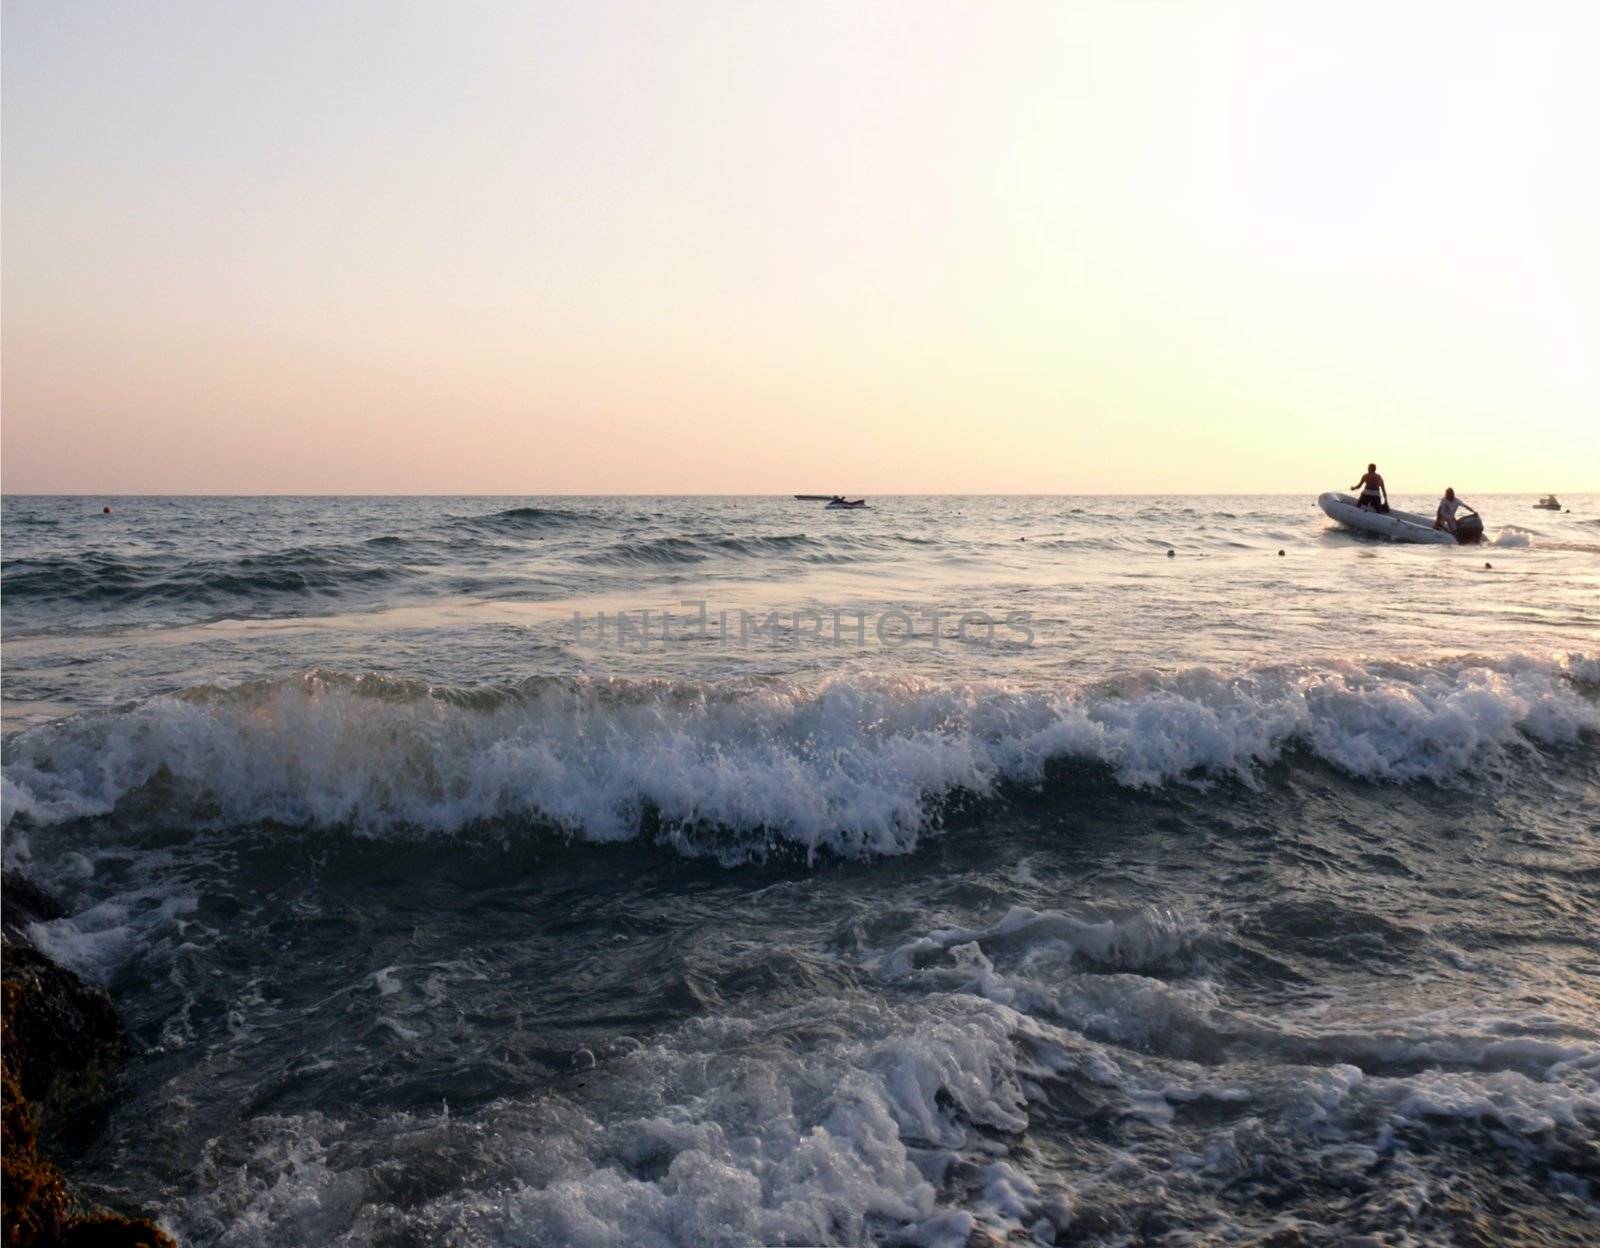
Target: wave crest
x=98 y=579
x=515 y=520
x=857 y=766
x=697 y=548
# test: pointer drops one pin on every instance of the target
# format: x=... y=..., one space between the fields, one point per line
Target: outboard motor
x=1469 y=529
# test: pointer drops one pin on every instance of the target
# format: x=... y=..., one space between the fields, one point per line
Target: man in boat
x=1445 y=517
x=1374 y=493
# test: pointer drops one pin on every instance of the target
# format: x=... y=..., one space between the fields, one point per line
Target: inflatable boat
x=1400 y=526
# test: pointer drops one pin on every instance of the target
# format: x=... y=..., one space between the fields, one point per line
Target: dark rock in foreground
x=61 y=1044
x=64 y=1041
x=23 y=902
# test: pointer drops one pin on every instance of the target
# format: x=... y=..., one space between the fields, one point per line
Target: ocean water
x=956 y=872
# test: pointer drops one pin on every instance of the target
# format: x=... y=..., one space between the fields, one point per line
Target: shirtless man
x=1374 y=493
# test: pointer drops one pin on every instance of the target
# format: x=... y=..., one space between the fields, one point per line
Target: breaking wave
x=853 y=766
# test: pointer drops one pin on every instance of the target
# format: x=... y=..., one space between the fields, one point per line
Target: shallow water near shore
x=1227 y=896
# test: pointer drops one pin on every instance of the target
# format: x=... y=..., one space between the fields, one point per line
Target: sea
x=958 y=871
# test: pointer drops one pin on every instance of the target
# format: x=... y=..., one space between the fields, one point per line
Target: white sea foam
x=904 y=1116
x=1531 y=1081
x=1099 y=979
x=1143 y=939
x=857 y=765
x=727 y=1130
x=95 y=941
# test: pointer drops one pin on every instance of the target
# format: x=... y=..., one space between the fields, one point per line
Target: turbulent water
x=727 y=871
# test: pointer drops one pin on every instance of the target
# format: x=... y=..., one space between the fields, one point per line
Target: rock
x=23 y=902
x=63 y=1040
x=40 y=1210
x=61 y=1045
x=34 y=1192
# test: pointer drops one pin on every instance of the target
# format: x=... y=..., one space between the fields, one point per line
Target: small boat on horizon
x=835 y=502
x=1548 y=503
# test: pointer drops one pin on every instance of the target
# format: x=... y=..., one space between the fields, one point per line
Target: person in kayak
x=1374 y=493
x=1445 y=517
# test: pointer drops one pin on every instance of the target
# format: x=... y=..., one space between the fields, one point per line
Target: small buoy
x=1172 y=554
x=1280 y=554
x=1487 y=564
x=105 y=511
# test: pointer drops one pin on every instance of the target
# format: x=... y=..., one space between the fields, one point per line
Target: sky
x=767 y=247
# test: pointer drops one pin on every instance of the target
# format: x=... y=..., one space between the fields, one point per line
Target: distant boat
x=1548 y=503
x=836 y=502
x=1400 y=526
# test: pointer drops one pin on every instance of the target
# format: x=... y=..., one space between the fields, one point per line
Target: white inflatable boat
x=1400 y=526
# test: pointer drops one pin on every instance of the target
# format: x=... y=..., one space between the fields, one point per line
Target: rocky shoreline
x=62 y=1046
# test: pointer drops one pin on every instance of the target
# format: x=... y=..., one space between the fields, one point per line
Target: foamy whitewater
x=727 y=871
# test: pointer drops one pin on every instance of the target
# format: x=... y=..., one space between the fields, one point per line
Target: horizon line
x=731 y=494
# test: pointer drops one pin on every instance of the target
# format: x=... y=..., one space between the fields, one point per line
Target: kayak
x=1399 y=526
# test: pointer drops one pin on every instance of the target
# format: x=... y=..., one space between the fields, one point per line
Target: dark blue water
x=1222 y=897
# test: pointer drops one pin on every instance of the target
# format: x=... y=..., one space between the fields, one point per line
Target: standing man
x=1374 y=493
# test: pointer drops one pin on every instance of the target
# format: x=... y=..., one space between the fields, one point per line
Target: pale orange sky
x=901 y=247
